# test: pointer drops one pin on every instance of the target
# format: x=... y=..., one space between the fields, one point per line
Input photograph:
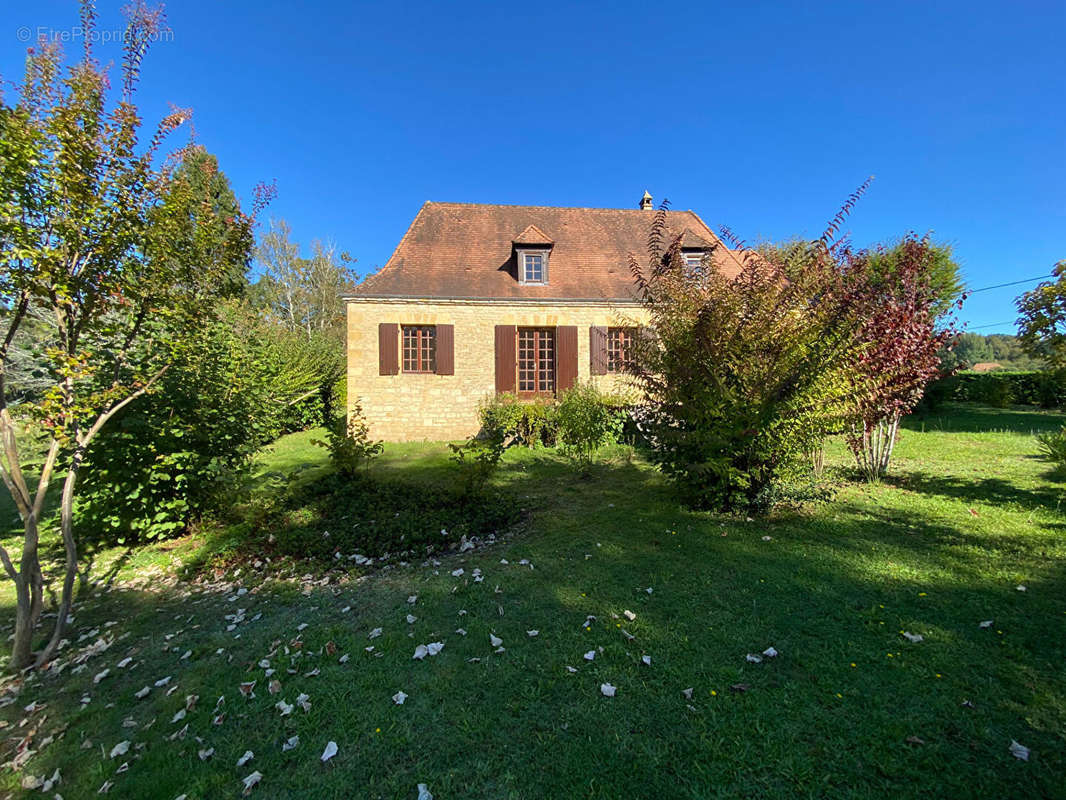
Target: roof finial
x=645 y=201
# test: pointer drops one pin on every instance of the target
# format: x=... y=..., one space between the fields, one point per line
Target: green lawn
x=849 y=707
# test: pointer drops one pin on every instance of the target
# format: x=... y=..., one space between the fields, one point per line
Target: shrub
x=478 y=457
x=1053 y=446
x=587 y=419
x=527 y=423
x=1044 y=388
x=744 y=374
x=350 y=447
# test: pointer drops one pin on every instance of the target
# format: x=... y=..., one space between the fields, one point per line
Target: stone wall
x=412 y=407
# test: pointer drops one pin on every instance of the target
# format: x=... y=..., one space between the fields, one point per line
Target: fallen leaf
x=423 y=792
x=646 y=660
x=374 y=633
x=329 y=752
x=290 y=743
x=434 y=647
x=206 y=754
x=142 y=693
x=754 y=659
x=1019 y=751
x=412 y=599
x=607 y=690
x=284 y=708
x=495 y=640
x=769 y=652
x=399 y=698
x=740 y=688
x=120 y=749
x=629 y=615
x=687 y=693
x=248 y=756
x=1021 y=588
x=251 y=781
x=914 y=740
x=178 y=717
x=274 y=686
x=411 y=619
x=531 y=634
x=913 y=637
x=99 y=676
x=986 y=623
x=420 y=652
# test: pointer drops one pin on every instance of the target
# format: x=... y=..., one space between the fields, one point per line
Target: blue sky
x=759 y=116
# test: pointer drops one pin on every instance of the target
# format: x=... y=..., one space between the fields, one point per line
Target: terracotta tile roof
x=466 y=250
x=533 y=235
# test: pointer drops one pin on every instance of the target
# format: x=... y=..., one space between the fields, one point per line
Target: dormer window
x=693 y=259
x=533 y=267
x=532 y=248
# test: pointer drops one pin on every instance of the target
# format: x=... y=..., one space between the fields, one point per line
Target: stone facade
x=413 y=407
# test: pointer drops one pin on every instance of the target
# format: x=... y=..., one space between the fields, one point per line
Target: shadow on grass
x=979 y=490
x=973 y=418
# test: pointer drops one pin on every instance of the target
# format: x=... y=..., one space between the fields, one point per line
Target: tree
x=897 y=344
x=303 y=294
x=1042 y=319
x=111 y=253
x=745 y=373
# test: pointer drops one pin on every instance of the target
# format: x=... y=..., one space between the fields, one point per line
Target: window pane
x=619 y=342
x=419 y=348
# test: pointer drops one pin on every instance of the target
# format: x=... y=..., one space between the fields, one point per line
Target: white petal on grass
x=330 y=751
x=458 y=573
x=248 y=756
x=206 y=754
x=1019 y=751
x=495 y=640
x=99 y=676
x=629 y=615
x=411 y=619
x=571 y=669
x=399 y=697
x=687 y=693
x=770 y=652
x=590 y=655
x=178 y=717
x=301 y=626
x=304 y=702
x=646 y=660
x=532 y=634
x=420 y=652
x=374 y=634
x=412 y=599
x=120 y=749
x=251 y=781
x=343 y=659
x=754 y=659
x=913 y=637
x=1021 y=588
x=423 y=792
x=607 y=690
x=142 y=693
x=162 y=681
x=284 y=708
x=434 y=647
x=461 y=631
x=290 y=743
x=986 y=623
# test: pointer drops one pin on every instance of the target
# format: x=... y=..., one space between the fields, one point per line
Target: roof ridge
x=551 y=208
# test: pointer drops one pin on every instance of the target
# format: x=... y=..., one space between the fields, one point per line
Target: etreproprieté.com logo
x=77 y=34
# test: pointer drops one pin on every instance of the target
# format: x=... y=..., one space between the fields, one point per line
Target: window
x=536 y=360
x=533 y=268
x=694 y=260
x=619 y=346
x=419 y=348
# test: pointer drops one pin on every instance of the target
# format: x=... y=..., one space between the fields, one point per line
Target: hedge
x=1046 y=389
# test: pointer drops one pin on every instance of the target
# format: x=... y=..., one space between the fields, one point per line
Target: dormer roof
x=533 y=235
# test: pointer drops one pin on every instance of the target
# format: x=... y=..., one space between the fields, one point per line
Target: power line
x=1012 y=283
x=993 y=324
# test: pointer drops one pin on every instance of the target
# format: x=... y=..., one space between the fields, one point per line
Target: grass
x=849 y=708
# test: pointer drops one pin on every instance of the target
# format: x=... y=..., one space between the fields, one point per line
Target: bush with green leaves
x=1053 y=446
x=350 y=447
x=524 y=422
x=478 y=458
x=587 y=420
x=185 y=450
x=743 y=374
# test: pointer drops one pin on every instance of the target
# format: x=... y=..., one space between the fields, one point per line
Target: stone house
x=478 y=299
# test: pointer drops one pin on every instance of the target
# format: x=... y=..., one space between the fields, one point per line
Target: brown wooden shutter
x=445 y=349
x=598 y=350
x=388 y=348
x=506 y=359
x=565 y=357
